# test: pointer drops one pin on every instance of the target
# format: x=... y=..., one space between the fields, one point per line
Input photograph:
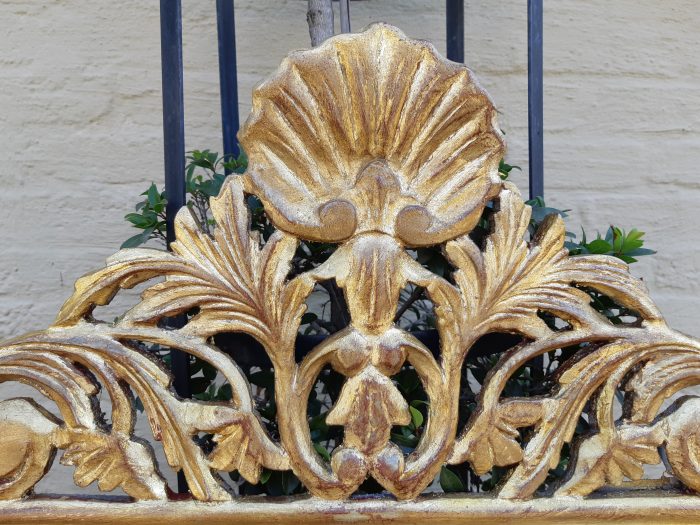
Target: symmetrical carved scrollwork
x=374 y=142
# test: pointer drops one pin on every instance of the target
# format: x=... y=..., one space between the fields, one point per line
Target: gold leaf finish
x=27 y=452
x=113 y=460
x=385 y=136
x=373 y=142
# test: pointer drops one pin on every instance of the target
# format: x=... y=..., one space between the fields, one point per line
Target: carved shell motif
x=374 y=142
x=385 y=137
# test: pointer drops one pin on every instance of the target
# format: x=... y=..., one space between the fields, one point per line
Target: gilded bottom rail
x=654 y=508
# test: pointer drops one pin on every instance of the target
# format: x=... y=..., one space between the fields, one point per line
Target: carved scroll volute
x=28 y=451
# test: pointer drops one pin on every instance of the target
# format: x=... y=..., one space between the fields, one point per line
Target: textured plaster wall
x=81 y=136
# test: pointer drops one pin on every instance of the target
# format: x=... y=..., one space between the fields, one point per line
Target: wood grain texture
x=376 y=143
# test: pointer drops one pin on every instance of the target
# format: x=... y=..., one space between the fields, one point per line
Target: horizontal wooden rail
x=462 y=510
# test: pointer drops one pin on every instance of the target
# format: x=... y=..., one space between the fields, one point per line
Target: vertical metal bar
x=173 y=109
x=454 y=18
x=535 y=118
x=535 y=97
x=228 y=80
x=174 y=150
x=344 y=16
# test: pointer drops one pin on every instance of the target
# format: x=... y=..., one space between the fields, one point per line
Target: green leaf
x=265 y=476
x=263 y=378
x=609 y=235
x=618 y=238
x=225 y=393
x=209 y=371
x=133 y=242
x=207 y=395
x=416 y=416
x=407 y=380
x=432 y=259
x=210 y=188
x=640 y=251
x=504 y=169
x=319 y=422
x=254 y=204
x=632 y=241
x=573 y=247
x=539 y=213
x=450 y=482
x=199 y=384
x=404 y=441
x=308 y=317
x=322 y=451
x=139 y=220
x=153 y=195
x=189 y=171
x=599 y=246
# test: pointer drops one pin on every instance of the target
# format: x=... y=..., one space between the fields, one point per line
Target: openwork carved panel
x=374 y=143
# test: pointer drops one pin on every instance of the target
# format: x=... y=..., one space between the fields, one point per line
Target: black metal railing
x=228 y=76
x=535 y=98
x=454 y=30
x=174 y=150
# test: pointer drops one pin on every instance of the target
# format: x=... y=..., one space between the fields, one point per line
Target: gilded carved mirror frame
x=373 y=142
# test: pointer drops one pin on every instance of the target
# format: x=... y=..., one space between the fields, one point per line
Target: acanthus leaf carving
x=378 y=160
x=605 y=459
x=238 y=449
x=113 y=460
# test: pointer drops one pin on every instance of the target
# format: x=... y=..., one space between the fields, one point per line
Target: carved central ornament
x=375 y=143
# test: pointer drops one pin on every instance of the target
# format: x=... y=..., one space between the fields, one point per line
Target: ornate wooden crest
x=374 y=142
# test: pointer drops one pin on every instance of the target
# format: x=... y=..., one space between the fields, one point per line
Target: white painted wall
x=80 y=121
x=81 y=135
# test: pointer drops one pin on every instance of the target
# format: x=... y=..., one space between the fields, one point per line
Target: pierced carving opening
x=415 y=312
x=322 y=398
x=614 y=311
x=326 y=310
x=409 y=384
x=122 y=302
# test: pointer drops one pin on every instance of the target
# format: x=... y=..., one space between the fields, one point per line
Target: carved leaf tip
x=602 y=459
x=237 y=450
x=112 y=460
